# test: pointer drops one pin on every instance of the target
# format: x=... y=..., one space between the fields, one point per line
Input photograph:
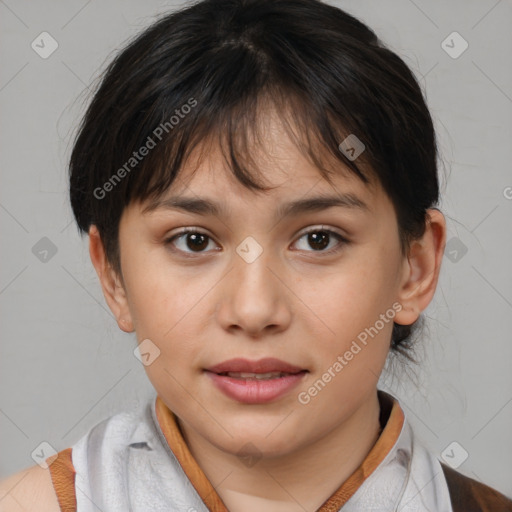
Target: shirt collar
x=391 y=419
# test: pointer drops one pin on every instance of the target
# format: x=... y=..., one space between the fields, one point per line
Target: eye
x=319 y=238
x=192 y=239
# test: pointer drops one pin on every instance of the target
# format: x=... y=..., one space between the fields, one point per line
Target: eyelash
x=185 y=231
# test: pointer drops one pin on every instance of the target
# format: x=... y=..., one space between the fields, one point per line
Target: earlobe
x=421 y=269
x=113 y=289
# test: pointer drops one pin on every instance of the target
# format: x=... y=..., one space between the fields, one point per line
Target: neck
x=303 y=479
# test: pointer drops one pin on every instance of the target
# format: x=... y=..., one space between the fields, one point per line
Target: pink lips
x=251 y=390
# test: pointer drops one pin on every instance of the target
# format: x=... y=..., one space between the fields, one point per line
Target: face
x=313 y=288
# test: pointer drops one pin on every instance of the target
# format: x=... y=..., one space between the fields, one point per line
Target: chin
x=256 y=443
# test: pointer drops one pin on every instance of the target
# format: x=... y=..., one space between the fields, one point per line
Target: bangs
x=241 y=133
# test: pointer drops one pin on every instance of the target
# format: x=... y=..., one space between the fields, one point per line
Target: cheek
x=343 y=303
x=167 y=310
x=351 y=352
x=160 y=293
x=166 y=302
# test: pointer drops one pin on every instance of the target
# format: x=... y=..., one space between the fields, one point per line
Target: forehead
x=218 y=193
x=277 y=154
x=275 y=161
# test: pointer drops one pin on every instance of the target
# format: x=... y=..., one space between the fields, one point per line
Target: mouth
x=255 y=376
x=260 y=367
x=255 y=382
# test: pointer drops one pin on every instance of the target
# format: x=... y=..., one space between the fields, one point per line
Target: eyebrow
x=203 y=206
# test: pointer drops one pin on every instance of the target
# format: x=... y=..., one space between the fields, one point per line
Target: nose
x=253 y=297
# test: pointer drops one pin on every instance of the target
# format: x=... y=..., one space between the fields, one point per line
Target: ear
x=113 y=288
x=421 y=269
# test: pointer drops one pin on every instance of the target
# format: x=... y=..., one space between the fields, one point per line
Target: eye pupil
x=198 y=241
x=318 y=240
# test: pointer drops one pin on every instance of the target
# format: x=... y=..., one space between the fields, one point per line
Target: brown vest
x=468 y=495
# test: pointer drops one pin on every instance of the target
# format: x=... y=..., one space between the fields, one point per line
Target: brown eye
x=189 y=241
x=196 y=241
x=320 y=239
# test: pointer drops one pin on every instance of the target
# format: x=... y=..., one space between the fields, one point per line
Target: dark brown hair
x=206 y=70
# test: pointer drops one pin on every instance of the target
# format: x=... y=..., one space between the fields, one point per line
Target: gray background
x=65 y=365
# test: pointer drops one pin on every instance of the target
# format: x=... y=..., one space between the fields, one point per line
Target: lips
x=262 y=366
x=258 y=376
x=255 y=382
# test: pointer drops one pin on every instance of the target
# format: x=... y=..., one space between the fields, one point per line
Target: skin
x=295 y=303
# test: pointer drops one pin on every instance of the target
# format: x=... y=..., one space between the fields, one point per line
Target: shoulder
x=469 y=495
x=30 y=489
